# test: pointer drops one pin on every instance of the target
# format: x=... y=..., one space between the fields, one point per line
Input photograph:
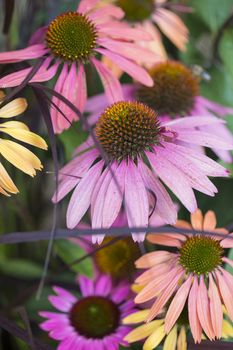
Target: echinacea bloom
x=149 y=12
x=71 y=41
x=175 y=94
x=153 y=332
x=193 y=277
x=141 y=151
x=13 y=152
x=93 y=321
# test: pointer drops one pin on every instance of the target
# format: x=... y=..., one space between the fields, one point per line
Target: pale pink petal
x=172 y=26
x=97 y=202
x=114 y=30
x=202 y=162
x=86 y=5
x=164 y=296
x=226 y=293
x=227 y=242
x=203 y=139
x=192 y=312
x=134 y=70
x=203 y=309
x=154 y=272
x=215 y=308
x=177 y=304
x=114 y=196
x=136 y=200
x=164 y=204
x=81 y=197
x=106 y=11
x=181 y=188
x=30 y=52
x=129 y=50
x=111 y=84
x=196 y=179
x=96 y=103
x=228 y=261
x=16 y=78
x=156 y=286
x=193 y=122
x=215 y=107
x=153 y=258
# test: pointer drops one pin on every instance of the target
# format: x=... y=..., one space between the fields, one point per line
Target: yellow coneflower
x=14 y=152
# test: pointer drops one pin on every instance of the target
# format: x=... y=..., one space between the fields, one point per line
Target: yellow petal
x=143 y=331
x=14 y=125
x=136 y=317
x=2 y=191
x=13 y=108
x=26 y=136
x=137 y=288
x=227 y=329
x=182 y=340
x=171 y=339
x=6 y=182
x=20 y=157
x=154 y=339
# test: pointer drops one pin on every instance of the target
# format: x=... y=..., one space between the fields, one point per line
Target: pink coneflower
x=93 y=321
x=149 y=12
x=71 y=41
x=192 y=277
x=175 y=94
x=141 y=151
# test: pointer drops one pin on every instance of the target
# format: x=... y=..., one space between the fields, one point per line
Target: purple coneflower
x=92 y=321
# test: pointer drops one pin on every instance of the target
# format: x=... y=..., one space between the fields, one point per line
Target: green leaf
x=213 y=12
x=20 y=268
x=226 y=50
x=70 y=252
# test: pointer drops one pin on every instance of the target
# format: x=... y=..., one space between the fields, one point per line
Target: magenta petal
x=136 y=200
x=31 y=52
x=111 y=84
x=87 y=286
x=103 y=286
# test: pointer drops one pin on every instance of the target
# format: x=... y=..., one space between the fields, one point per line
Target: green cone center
x=71 y=37
x=137 y=10
x=118 y=258
x=200 y=255
x=95 y=317
x=174 y=91
x=127 y=129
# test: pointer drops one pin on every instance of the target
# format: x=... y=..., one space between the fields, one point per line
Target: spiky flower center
x=174 y=91
x=71 y=37
x=127 y=129
x=95 y=317
x=137 y=10
x=200 y=254
x=118 y=258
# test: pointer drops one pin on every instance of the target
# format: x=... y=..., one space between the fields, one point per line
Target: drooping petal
x=177 y=304
x=203 y=309
x=171 y=339
x=143 y=331
x=111 y=84
x=136 y=200
x=134 y=70
x=81 y=197
x=26 y=136
x=30 y=52
x=154 y=339
x=192 y=312
x=13 y=108
x=226 y=294
x=150 y=259
x=215 y=308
